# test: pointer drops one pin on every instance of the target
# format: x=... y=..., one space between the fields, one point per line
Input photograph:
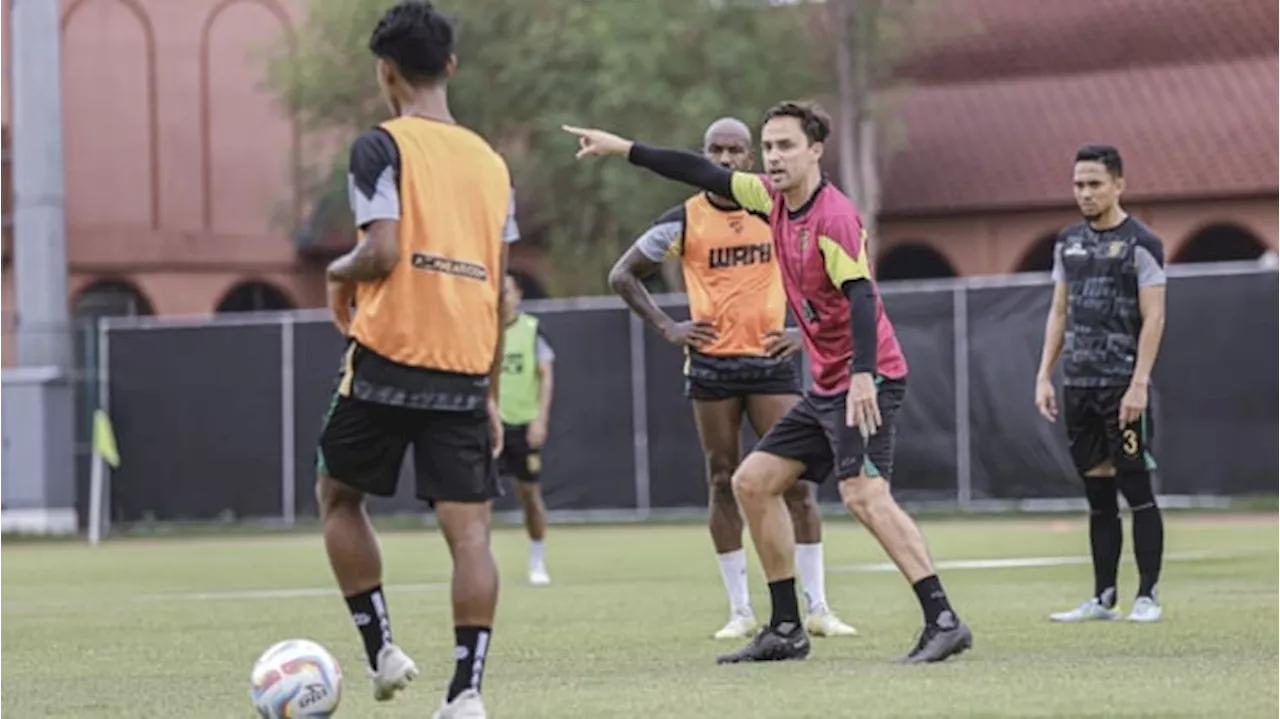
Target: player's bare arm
x=784 y=342
x=1151 y=302
x=1054 y=331
x=546 y=389
x=373 y=258
x=495 y=375
x=626 y=278
x=690 y=168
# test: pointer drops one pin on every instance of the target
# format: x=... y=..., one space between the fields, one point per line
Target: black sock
x=369 y=612
x=472 y=651
x=1106 y=536
x=1148 y=529
x=786 y=608
x=933 y=600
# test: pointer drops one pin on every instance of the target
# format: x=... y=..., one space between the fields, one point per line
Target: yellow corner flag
x=104 y=439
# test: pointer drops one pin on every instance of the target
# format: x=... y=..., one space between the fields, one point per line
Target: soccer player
x=525 y=404
x=845 y=425
x=737 y=359
x=1108 y=313
x=432 y=201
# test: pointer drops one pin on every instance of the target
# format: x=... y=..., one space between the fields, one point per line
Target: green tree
x=659 y=70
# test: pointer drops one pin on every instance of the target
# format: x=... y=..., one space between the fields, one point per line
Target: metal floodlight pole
x=40 y=247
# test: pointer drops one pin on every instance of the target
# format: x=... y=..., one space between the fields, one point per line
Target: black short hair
x=815 y=122
x=417 y=38
x=1108 y=155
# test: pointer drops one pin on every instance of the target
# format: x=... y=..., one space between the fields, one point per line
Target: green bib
x=519 y=390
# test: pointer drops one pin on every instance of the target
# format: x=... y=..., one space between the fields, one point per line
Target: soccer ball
x=297 y=679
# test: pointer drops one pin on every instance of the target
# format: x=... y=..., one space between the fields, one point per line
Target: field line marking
x=1013 y=562
x=250 y=594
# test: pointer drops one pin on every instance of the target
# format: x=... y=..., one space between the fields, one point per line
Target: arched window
x=254 y=297
x=913 y=262
x=1039 y=257
x=111 y=298
x=1221 y=242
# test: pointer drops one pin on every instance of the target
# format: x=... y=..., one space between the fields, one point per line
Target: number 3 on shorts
x=1129 y=442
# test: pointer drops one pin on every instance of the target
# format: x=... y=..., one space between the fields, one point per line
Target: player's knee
x=1137 y=490
x=862 y=495
x=1100 y=492
x=332 y=495
x=465 y=526
x=800 y=499
x=720 y=470
x=750 y=486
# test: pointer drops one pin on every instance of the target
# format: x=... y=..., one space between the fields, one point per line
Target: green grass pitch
x=167 y=628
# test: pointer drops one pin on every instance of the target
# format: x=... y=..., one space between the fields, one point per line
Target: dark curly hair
x=815 y=122
x=417 y=38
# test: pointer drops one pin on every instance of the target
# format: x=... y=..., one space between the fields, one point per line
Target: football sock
x=786 y=610
x=369 y=612
x=1148 y=529
x=471 y=651
x=933 y=601
x=733 y=570
x=812 y=581
x=1106 y=536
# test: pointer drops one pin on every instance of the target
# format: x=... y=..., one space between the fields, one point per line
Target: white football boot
x=467 y=705
x=822 y=622
x=1145 y=610
x=395 y=671
x=740 y=626
x=1091 y=611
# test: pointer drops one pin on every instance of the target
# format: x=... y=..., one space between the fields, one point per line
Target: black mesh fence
x=200 y=413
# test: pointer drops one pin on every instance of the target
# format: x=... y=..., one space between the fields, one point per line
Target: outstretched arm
x=746 y=189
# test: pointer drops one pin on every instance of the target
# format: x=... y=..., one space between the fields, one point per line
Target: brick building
x=181 y=192
x=1000 y=94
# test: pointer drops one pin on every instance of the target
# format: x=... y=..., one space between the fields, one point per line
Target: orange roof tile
x=1001 y=93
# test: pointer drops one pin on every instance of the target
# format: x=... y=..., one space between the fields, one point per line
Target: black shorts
x=363 y=446
x=710 y=378
x=519 y=460
x=814 y=432
x=1093 y=430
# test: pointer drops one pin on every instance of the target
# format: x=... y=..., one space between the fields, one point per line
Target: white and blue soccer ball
x=298 y=679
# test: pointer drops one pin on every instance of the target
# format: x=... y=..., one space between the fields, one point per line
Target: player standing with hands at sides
x=845 y=425
x=432 y=202
x=1108 y=313
x=738 y=358
x=525 y=405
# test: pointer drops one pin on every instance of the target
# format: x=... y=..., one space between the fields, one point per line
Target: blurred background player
x=738 y=359
x=431 y=200
x=524 y=401
x=1108 y=310
x=844 y=427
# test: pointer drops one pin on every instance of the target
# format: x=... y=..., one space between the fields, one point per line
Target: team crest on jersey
x=804 y=240
x=1115 y=248
x=736 y=224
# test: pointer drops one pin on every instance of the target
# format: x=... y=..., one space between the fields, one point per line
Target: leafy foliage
x=661 y=70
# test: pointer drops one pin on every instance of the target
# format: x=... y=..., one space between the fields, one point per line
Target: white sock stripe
x=384 y=621
x=477 y=663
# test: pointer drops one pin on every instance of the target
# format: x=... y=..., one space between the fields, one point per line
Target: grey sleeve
x=373 y=185
x=511 y=231
x=545 y=353
x=665 y=237
x=1059 y=275
x=1150 y=269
